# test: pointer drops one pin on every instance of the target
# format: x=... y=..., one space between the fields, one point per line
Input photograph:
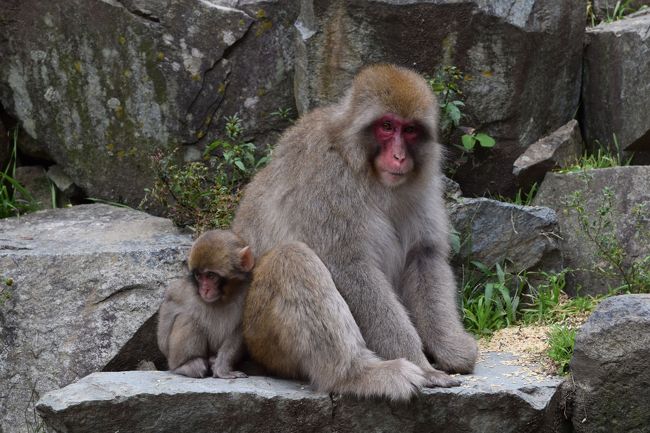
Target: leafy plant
x=204 y=194
x=561 y=342
x=285 y=114
x=14 y=198
x=600 y=228
x=544 y=297
x=488 y=304
x=446 y=85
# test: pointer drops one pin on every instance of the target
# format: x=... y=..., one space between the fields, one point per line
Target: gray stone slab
x=502 y=396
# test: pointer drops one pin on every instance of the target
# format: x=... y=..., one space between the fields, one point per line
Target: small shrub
x=446 y=85
x=204 y=195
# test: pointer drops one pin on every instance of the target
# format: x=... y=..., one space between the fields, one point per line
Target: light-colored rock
x=502 y=396
x=616 y=84
x=86 y=282
x=492 y=231
x=140 y=76
x=610 y=368
x=626 y=225
x=490 y=41
x=557 y=150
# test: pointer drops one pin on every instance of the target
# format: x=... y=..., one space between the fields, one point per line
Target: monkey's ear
x=246 y=259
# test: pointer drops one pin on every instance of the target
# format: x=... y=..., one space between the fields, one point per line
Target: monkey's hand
x=438 y=379
x=225 y=373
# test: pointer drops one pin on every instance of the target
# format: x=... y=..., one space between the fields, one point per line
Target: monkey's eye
x=409 y=129
x=387 y=126
x=212 y=275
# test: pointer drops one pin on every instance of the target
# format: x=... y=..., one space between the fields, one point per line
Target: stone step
x=502 y=396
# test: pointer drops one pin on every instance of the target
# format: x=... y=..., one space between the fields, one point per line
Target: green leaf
x=240 y=165
x=485 y=140
x=453 y=112
x=468 y=142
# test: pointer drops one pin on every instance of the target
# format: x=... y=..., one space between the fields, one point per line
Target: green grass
x=561 y=341
x=14 y=198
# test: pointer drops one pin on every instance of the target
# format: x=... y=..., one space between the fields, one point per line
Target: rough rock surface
x=610 y=368
x=615 y=90
x=622 y=190
x=556 y=150
x=105 y=83
x=512 y=52
x=86 y=282
x=492 y=231
x=500 y=397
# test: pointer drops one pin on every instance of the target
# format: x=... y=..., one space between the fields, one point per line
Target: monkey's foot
x=457 y=358
x=438 y=379
x=197 y=367
x=229 y=374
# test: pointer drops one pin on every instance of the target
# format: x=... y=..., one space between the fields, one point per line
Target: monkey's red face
x=210 y=285
x=395 y=136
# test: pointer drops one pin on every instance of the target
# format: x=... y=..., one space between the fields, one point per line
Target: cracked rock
x=86 y=282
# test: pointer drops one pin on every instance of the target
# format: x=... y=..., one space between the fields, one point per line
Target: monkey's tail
x=397 y=379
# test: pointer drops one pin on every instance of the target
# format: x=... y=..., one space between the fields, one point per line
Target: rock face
x=492 y=231
x=139 y=76
x=500 y=397
x=556 y=150
x=86 y=282
x=599 y=212
x=614 y=101
x=610 y=367
x=490 y=41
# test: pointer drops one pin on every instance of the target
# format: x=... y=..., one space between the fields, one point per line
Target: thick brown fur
x=385 y=247
x=196 y=335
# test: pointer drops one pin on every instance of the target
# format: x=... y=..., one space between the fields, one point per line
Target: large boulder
x=502 y=396
x=559 y=149
x=604 y=222
x=610 y=368
x=511 y=52
x=616 y=84
x=105 y=83
x=492 y=232
x=87 y=282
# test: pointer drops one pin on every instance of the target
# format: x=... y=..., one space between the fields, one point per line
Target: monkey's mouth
x=396 y=174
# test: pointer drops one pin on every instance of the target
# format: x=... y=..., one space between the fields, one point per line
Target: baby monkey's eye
x=387 y=126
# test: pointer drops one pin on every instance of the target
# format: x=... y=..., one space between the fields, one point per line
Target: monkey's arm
x=228 y=354
x=430 y=294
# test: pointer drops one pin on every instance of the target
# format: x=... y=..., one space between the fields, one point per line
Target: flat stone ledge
x=502 y=396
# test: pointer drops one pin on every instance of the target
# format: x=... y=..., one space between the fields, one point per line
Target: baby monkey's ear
x=246 y=259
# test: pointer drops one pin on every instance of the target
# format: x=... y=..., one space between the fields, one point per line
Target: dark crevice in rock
x=121 y=291
x=214 y=106
x=139 y=13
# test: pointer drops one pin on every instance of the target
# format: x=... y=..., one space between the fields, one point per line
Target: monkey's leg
x=297 y=324
x=384 y=322
x=430 y=294
x=188 y=348
x=228 y=354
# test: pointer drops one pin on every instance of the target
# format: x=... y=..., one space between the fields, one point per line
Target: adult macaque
x=199 y=322
x=359 y=183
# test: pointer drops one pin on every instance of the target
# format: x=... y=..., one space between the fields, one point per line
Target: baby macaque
x=199 y=322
